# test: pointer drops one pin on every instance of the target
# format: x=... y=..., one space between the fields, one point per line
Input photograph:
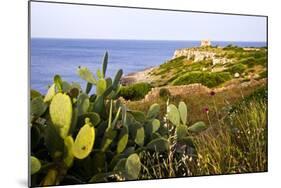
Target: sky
x=51 y=20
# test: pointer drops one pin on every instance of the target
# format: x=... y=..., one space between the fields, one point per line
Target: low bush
x=263 y=74
x=208 y=79
x=237 y=68
x=164 y=93
x=135 y=91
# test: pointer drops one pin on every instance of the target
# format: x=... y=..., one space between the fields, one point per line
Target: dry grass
x=235 y=143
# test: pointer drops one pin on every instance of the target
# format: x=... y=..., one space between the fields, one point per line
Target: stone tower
x=205 y=43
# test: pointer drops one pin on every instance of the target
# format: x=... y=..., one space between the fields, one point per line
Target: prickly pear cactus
x=51 y=178
x=181 y=131
x=50 y=94
x=197 y=127
x=173 y=114
x=153 y=111
x=37 y=107
x=35 y=165
x=101 y=86
x=86 y=74
x=68 y=159
x=123 y=140
x=83 y=103
x=183 y=112
x=84 y=141
x=158 y=144
x=155 y=125
x=61 y=113
x=140 y=136
x=133 y=166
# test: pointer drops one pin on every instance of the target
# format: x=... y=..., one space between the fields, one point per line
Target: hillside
x=210 y=66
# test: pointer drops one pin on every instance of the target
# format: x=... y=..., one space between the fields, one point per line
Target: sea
x=49 y=57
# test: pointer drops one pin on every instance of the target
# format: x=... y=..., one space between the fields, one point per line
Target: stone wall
x=200 y=89
x=177 y=90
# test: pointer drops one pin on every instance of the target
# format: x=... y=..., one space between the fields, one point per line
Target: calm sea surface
x=63 y=56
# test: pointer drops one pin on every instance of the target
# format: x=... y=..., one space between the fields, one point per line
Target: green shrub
x=240 y=68
x=207 y=79
x=263 y=74
x=135 y=91
x=164 y=93
x=250 y=61
x=253 y=61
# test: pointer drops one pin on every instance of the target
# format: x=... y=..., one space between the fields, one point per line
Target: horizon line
x=66 y=38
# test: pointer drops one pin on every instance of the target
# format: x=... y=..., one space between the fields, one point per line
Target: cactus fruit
x=50 y=94
x=197 y=127
x=73 y=92
x=86 y=75
x=35 y=165
x=183 y=112
x=173 y=114
x=68 y=158
x=133 y=166
x=153 y=111
x=61 y=113
x=84 y=141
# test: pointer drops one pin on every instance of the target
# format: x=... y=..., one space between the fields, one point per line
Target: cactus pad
x=35 y=165
x=197 y=127
x=84 y=141
x=153 y=111
x=68 y=143
x=123 y=140
x=133 y=166
x=158 y=144
x=50 y=94
x=173 y=114
x=183 y=112
x=61 y=113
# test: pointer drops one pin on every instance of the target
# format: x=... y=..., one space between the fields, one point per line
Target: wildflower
x=206 y=109
x=212 y=93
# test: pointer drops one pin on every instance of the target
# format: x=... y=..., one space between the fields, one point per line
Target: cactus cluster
x=79 y=137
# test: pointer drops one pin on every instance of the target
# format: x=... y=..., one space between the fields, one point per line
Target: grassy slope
x=247 y=63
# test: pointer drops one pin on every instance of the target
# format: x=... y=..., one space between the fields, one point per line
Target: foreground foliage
x=79 y=137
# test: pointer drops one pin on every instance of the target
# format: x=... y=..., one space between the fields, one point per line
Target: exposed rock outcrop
x=199 y=55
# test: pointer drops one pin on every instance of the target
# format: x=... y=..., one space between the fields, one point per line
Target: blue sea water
x=63 y=56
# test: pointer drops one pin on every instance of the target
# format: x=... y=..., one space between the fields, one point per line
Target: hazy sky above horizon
x=49 y=20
